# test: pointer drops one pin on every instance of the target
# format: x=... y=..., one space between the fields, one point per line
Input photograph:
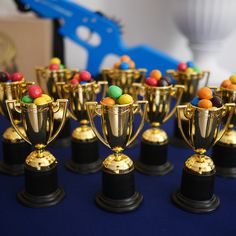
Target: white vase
x=206 y=24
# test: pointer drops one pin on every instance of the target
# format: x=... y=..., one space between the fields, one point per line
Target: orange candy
x=226 y=83
x=117 y=65
x=232 y=87
x=155 y=74
x=131 y=64
x=125 y=58
x=205 y=93
x=108 y=101
x=205 y=103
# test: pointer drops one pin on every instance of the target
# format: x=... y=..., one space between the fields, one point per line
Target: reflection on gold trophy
x=196 y=193
x=85 y=154
x=41 y=188
x=118 y=189
x=154 y=144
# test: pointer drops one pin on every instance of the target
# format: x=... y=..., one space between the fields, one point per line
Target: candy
x=74 y=81
x=232 y=87
x=205 y=93
x=162 y=83
x=85 y=76
x=182 y=66
x=205 y=103
x=54 y=67
x=124 y=65
x=216 y=101
x=167 y=79
x=34 y=91
x=108 y=101
x=125 y=58
x=125 y=99
x=131 y=64
x=27 y=99
x=4 y=76
x=226 y=83
x=62 y=66
x=189 y=70
x=76 y=76
x=190 y=64
x=114 y=91
x=40 y=101
x=155 y=74
x=18 y=76
x=151 y=81
x=55 y=60
x=117 y=65
x=196 y=69
x=232 y=78
x=47 y=97
x=195 y=101
x=83 y=82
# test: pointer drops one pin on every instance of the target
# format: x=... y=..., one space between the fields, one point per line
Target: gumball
x=190 y=64
x=116 y=65
x=125 y=99
x=114 y=92
x=232 y=78
x=205 y=103
x=226 y=83
x=18 y=76
x=205 y=93
x=62 y=66
x=131 y=64
x=108 y=101
x=47 y=97
x=151 y=81
x=195 y=101
x=216 y=101
x=4 y=76
x=124 y=65
x=76 y=76
x=85 y=76
x=55 y=60
x=54 y=67
x=155 y=74
x=83 y=82
x=167 y=79
x=182 y=66
x=34 y=91
x=162 y=83
x=74 y=81
x=40 y=101
x=196 y=69
x=232 y=87
x=125 y=58
x=27 y=99
x=189 y=70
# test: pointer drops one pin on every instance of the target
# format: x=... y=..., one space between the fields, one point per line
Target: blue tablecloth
x=78 y=214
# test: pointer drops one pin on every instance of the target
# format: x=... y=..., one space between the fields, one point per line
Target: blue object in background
x=190 y=64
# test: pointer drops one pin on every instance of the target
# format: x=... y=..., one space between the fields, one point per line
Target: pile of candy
x=36 y=96
x=188 y=67
x=82 y=77
x=16 y=77
x=206 y=99
x=229 y=83
x=156 y=79
x=124 y=63
x=116 y=97
x=55 y=64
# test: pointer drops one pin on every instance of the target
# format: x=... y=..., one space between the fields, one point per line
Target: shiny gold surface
x=200 y=164
x=83 y=133
x=155 y=135
x=229 y=137
x=11 y=135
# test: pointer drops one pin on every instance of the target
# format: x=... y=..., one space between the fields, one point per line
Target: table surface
x=78 y=214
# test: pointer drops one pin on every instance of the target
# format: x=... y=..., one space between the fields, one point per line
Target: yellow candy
x=233 y=79
x=40 y=101
x=189 y=70
x=47 y=97
x=125 y=99
x=55 y=60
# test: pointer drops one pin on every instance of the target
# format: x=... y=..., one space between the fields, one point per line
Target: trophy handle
x=16 y=106
x=229 y=107
x=92 y=110
x=179 y=109
x=136 y=107
x=60 y=103
x=142 y=72
x=98 y=87
x=177 y=91
x=207 y=75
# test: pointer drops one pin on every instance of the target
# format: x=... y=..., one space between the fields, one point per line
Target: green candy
x=196 y=69
x=27 y=99
x=62 y=66
x=114 y=91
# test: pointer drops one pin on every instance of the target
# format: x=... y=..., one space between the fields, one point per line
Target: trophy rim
x=228 y=90
x=120 y=70
x=159 y=88
x=117 y=105
x=13 y=82
x=83 y=85
x=31 y=104
x=45 y=68
x=208 y=109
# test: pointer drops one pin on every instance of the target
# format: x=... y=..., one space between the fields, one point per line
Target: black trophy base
x=13 y=170
x=204 y=206
x=41 y=201
x=119 y=206
x=224 y=157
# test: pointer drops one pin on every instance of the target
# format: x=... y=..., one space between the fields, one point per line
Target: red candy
x=85 y=76
x=151 y=81
x=74 y=81
x=182 y=66
x=34 y=91
x=16 y=77
x=54 y=67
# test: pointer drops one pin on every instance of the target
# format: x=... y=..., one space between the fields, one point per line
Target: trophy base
x=13 y=170
x=153 y=159
x=41 y=201
x=119 y=206
x=195 y=206
x=224 y=157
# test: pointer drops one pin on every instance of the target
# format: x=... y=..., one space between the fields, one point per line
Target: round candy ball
x=54 y=67
x=131 y=64
x=162 y=83
x=196 y=69
x=40 y=101
x=226 y=83
x=232 y=78
x=55 y=60
x=216 y=101
x=74 y=81
x=27 y=99
x=17 y=76
x=151 y=81
x=124 y=65
x=114 y=92
x=83 y=82
x=182 y=66
x=62 y=66
x=205 y=93
x=47 y=97
x=116 y=65
x=190 y=64
x=155 y=74
x=4 y=76
x=34 y=91
x=167 y=79
x=125 y=58
x=232 y=87
x=125 y=99
x=205 y=103
x=108 y=101
x=189 y=70
x=85 y=76
x=195 y=101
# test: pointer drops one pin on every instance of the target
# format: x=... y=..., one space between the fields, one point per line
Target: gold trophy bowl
x=196 y=193
x=15 y=149
x=154 y=143
x=118 y=189
x=84 y=144
x=41 y=188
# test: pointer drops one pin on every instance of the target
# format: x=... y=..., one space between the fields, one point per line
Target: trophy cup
x=196 y=193
x=118 y=186
x=154 y=143
x=190 y=79
x=84 y=144
x=41 y=187
x=15 y=149
x=224 y=152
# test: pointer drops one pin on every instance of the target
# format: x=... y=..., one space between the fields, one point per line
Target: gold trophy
x=15 y=149
x=224 y=152
x=154 y=144
x=196 y=193
x=84 y=144
x=41 y=187
x=118 y=188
